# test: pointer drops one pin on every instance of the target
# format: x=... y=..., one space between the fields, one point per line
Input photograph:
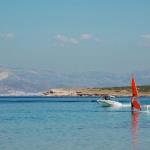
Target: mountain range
x=19 y=81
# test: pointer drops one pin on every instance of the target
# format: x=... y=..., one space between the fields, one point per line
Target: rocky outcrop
x=60 y=92
x=92 y=92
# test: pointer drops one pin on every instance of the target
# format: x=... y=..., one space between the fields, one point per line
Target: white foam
x=126 y=105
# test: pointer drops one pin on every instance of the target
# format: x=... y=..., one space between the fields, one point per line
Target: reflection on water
x=135 y=129
x=71 y=124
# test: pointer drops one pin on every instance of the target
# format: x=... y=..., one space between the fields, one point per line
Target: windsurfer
x=134 y=100
x=135 y=104
x=132 y=104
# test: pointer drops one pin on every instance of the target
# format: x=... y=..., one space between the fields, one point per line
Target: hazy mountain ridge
x=30 y=81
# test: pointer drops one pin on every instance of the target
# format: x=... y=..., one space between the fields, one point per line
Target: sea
x=71 y=123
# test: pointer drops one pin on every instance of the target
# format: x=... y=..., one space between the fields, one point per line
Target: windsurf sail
x=134 y=101
x=134 y=88
x=136 y=104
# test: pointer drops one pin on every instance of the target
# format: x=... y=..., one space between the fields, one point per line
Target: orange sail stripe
x=134 y=88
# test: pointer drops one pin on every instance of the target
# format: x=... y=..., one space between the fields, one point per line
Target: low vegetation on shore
x=144 y=90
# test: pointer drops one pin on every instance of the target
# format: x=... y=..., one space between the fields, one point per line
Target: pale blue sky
x=75 y=35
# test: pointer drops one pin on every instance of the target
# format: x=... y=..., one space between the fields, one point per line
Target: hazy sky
x=75 y=35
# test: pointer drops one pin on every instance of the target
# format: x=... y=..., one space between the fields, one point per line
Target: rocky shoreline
x=92 y=92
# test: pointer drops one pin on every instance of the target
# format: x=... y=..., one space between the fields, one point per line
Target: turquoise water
x=39 y=123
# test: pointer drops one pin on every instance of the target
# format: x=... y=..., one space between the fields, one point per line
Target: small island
x=116 y=91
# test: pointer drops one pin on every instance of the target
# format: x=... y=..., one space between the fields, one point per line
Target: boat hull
x=109 y=103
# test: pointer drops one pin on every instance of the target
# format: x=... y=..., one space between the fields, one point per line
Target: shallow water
x=40 y=123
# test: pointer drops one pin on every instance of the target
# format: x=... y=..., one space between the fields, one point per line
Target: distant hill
x=14 y=80
x=116 y=91
x=141 y=88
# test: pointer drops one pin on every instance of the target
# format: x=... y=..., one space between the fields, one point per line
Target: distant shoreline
x=116 y=91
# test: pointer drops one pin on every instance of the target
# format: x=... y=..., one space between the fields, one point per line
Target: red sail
x=134 y=88
x=134 y=100
x=136 y=104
